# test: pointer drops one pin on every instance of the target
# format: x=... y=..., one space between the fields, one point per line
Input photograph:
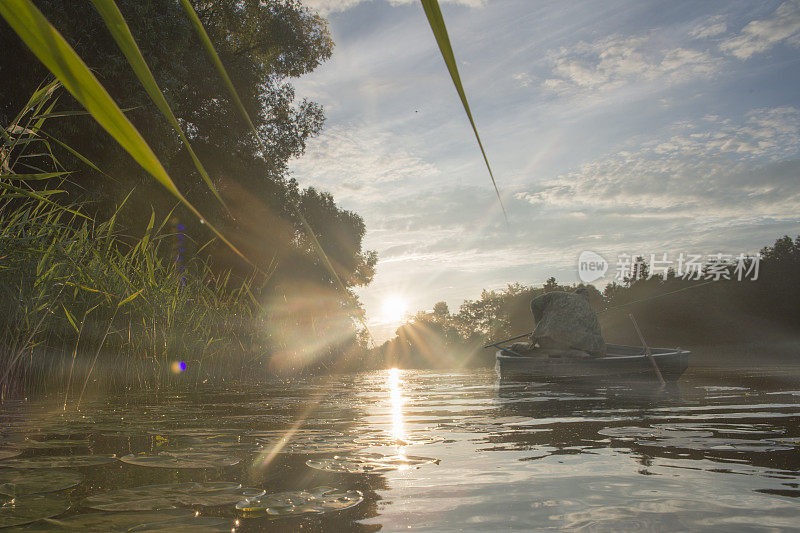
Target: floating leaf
x=635 y=432
x=201 y=433
x=192 y=524
x=5 y=453
x=692 y=437
x=319 y=500
x=731 y=429
x=295 y=434
x=108 y=521
x=29 y=508
x=154 y=497
x=61 y=461
x=369 y=463
x=388 y=439
x=227 y=447
x=182 y=459
x=715 y=444
x=19 y=481
x=305 y=441
x=52 y=444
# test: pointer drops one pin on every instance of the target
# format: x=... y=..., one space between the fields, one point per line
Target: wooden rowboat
x=620 y=363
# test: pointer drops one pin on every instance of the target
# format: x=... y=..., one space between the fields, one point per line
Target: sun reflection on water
x=396 y=400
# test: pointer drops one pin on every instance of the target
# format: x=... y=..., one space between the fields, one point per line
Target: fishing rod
x=508 y=339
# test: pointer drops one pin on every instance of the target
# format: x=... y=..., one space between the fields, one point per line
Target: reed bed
x=82 y=301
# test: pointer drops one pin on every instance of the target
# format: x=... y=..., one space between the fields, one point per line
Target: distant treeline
x=672 y=311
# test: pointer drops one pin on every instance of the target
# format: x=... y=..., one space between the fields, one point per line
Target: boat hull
x=621 y=363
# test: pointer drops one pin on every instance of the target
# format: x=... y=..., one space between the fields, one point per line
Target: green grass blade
x=122 y=35
x=130 y=298
x=59 y=57
x=436 y=21
x=62 y=114
x=23 y=193
x=70 y=318
x=40 y=176
x=77 y=154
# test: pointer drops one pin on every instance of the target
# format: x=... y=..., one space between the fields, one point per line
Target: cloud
x=361 y=161
x=712 y=171
x=523 y=79
x=758 y=36
x=712 y=27
x=616 y=61
x=328 y=7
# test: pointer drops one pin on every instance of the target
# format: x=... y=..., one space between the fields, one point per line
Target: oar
x=648 y=353
x=506 y=340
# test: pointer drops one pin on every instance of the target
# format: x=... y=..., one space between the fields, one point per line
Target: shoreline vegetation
x=755 y=320
x=110 y=275
x=110 y=279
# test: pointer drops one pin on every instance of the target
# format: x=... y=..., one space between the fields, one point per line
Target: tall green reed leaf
x=436 y=22
x=59 y=57
x=122 y=35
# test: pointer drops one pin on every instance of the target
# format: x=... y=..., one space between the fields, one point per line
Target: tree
x=550 y=285
x=440 y=311
x=262 y=43
x=339 y=233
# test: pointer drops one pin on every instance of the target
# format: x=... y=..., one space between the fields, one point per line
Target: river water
x=424 y=451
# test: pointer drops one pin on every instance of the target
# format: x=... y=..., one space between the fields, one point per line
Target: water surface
x=445 y=451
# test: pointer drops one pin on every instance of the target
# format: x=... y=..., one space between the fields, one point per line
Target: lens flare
x=178 y=367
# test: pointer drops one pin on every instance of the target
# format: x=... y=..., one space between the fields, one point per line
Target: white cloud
x=713 y=170
x=760 y=35
x=359 y=161
x=328 y=7
x=712 y=27
x=523 y=79
x=615 y=61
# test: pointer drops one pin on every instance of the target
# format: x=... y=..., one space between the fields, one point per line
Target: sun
x=394 y=309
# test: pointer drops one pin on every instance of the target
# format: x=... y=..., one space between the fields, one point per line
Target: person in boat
x=565 y=325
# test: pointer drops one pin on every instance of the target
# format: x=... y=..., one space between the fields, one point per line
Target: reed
x=77 y=292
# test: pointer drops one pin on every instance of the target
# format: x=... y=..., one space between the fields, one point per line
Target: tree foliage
x=263 y=44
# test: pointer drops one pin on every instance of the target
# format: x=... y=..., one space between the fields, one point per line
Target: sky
x=618 y=127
